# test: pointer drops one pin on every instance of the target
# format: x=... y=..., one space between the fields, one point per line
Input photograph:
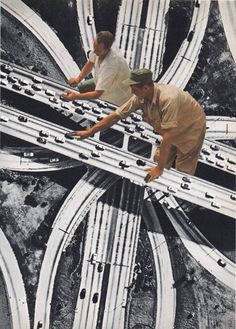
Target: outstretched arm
x=155 y=172
x=105 y=123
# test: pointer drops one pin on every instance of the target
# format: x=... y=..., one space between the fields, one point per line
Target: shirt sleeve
x=169 y=112
x=92 y=57
x=130 y=106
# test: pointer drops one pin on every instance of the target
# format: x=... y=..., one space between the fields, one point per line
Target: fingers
x=147 y=178
x=66 y=95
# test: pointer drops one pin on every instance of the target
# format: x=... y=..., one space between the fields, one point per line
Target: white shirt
x=108 y=76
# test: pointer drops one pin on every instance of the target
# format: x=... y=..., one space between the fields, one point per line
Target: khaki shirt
x=108 y=76
x=173 y=108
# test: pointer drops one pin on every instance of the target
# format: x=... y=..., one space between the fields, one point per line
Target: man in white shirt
x=110 y=69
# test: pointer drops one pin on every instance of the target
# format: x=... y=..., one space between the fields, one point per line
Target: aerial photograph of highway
x=87 y=239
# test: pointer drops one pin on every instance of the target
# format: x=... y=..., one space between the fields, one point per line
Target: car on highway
x=37 y=79
x=65 y=106
x=79 y=110
x=22 y=118
x=41 y=140
x=39 y=325
x=17 y=86
x=221 y=262
x=210 y=160
x=102 y=103
x=3 y=118
x=50 y=92
x=83 y=156
x=29 y=92
x=86 y=106
x=54 y=100
x=230 y=168
x=96 y=154
x=220 y=156
x=171 y=189
x=214 y=147
x=59 y=140
x=77 y=102
x=144 y=136
x=231 y=161
x=136 y=117
x=89 y=19
x=37 y=87
x=23 y=82
x=186 y=179
x=139 y=128
x=99 y=147
x=205 y=151
x=93 y=258
x=140 y=162
x=6 y=68
x=3 y=75
x=215 y=205
x=82 y=293
x=197 y=3
x=209 y=195
x=233 y=197
x=185 y=186
x=53 y=160
x=3 y=82
x=129 y=130
x=100 y=267
x=69 y=136
x=218 y=164
x=95 y=298
x=44 y=133
x=126 y=121
x=12 y=78
x=28 y=154
x=190 y=36
x=123 y=164
x=96 y=110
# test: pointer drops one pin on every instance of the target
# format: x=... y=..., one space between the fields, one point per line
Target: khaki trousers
x=184 y=162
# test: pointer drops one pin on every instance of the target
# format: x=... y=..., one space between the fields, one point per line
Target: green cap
x=139 y=76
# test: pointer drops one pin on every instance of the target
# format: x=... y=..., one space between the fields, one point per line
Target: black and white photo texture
x=85 y=241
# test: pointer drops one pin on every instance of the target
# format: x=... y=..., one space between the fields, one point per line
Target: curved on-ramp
x=79 y=201
x=43 y=33
x=14 y=285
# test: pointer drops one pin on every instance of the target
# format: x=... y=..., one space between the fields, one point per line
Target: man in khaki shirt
x=173 y=113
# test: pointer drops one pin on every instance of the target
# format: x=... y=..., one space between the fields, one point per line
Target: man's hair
x=106 y=38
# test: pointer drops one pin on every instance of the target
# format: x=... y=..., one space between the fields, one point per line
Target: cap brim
x=130 y=82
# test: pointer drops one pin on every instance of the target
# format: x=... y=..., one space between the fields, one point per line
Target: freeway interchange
x=111 y=262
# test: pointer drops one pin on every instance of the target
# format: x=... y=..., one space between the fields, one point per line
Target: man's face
x=139 y=91
x=99 y=49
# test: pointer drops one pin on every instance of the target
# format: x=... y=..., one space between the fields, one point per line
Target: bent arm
x=164 y=149
x=83 y=73
x=155 y=172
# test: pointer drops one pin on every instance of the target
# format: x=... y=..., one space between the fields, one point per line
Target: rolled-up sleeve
x=130 y=106
x=92 y=57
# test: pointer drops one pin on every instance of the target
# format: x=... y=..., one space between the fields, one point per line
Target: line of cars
x=93 y=261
